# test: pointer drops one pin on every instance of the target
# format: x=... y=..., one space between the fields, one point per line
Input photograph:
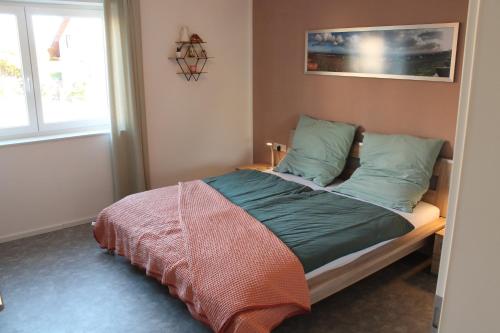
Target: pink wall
x=282 y=91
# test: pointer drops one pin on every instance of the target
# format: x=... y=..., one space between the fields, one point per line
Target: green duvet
x=318 y=226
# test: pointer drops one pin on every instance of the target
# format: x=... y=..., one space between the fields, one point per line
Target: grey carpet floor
x=62 y=282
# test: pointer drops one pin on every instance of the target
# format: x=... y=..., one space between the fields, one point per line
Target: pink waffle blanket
x=231 y=271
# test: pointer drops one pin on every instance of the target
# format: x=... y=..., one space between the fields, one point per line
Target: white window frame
x=38 y=128
x=18 y=11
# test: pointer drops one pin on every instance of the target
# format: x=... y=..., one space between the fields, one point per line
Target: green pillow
x=395 y=170
x=319 y=150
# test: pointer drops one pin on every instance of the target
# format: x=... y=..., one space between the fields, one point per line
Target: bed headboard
x=439 y=184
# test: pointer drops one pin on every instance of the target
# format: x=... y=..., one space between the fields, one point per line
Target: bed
x=321 y=278
x=429 y=217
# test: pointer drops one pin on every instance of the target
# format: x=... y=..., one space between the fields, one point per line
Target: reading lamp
x=270 y=145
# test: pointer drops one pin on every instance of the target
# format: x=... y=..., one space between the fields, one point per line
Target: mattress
x=422 y=214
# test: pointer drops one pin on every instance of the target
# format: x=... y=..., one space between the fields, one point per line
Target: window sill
x=54 y=137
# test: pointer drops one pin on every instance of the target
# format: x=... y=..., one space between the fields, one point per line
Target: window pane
x=71 y=68
x=13 y=106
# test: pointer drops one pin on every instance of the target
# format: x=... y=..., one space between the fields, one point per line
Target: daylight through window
x=52 y=70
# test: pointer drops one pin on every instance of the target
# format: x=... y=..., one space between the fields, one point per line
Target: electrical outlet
x=279 y=147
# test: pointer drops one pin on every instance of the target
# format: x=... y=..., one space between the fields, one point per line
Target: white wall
x=470 y=274
x=197 y=129
x=50 y=184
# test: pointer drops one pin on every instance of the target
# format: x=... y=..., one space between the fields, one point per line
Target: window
x=53 y=75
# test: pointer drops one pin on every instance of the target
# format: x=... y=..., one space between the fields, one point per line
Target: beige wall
x=282 y=91
x=48 y=185
x=472 y=282
x=197 y=129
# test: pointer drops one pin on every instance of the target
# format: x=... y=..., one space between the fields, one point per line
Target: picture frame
x=410 y=52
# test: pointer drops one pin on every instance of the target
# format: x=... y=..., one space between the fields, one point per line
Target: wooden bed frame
x=334 y=280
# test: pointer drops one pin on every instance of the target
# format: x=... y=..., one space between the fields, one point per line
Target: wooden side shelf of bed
x=255 y=166
x=335 y=280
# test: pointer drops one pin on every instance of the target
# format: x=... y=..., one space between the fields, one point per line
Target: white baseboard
x=43 y=230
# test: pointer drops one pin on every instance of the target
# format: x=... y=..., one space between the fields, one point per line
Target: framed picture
x=413 y=52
